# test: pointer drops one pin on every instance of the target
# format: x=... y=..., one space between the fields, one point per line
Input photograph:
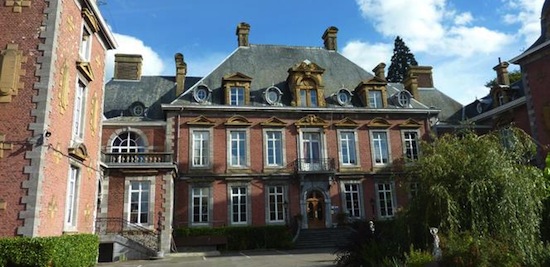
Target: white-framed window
x=85 y=49
x=79 y=113
x=385 y=199
x=238 y=204
x=348 y=148
x=200 y=210
x=312 y=151
x=200 y=148
x=71 y=203
x=380 y=148
x=308 y=97
x=128 y=142
x=276 y=204
x=139 y=202
x=375 y=99
x=410 y=145
x=273 y=148
x=236 y=96
x=238 y=148
x=352 y=195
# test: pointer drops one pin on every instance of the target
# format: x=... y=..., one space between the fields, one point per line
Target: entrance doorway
x=315 y=208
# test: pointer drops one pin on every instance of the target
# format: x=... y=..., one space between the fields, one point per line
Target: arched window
x=127 y=142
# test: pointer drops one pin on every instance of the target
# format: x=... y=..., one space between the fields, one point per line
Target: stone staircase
x=322 y=238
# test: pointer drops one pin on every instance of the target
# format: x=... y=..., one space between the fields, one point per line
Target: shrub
x=241 y=238
x=60 y=251
x=418 y=258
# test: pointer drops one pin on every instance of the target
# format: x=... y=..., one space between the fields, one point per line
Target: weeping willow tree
x=482 y=185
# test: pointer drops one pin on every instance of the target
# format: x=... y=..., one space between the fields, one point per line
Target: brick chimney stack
x=379 y=71
x=128 y=67
x=181 y=72
x=502 y=73
x=243 y=29
x=329 y=38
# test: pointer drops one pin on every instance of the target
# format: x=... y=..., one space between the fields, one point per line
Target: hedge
x=59 y=251
x=242 y=238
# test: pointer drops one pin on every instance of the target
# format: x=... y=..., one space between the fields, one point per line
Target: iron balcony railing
x=315 y=165
x=117 y=159
x=137 y=233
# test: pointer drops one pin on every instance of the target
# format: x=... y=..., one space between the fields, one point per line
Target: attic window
x=137 y=109
x=343 y=97
x=272 y=95
x=201 y=93
x=479 y=108
x=404 y=98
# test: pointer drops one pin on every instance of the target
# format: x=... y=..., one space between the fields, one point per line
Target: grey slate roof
x=151 y=91
x=268 y=65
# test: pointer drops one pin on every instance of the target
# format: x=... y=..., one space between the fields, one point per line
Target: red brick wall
x=24 y=29
x=538 y=80
x=21 y=29
x=257 y=185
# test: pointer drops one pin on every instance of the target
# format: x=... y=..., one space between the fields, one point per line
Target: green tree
x=514 y=76
x=483 y=190
x=401 y=59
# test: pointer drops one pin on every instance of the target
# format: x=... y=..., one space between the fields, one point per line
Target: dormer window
x=308 y=94
x=237 y=89
x=201 y=93
x=237 y=96
x=501 y=99
x=343 y=97
x=375 y=99
x=305 y=81
x=372 y=93
x=272 y=96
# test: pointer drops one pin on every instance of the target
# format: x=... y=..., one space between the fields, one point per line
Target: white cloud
x=464 y=18
x=152 y=62
x=526 y=13
x=461 y=51
x=368 y=55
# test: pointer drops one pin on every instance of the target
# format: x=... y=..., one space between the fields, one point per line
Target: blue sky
x=461 y=39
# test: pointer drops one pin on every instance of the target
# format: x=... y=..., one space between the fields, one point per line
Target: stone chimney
x=329 y=38
x=502 y=73
x=128 y=67
x=243 y=29
x=181 y=72
x=379 y=71
x=423 y=74
x=411 y=85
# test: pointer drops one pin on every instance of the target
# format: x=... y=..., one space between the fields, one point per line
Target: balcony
x=138 y=160
x=321 y=165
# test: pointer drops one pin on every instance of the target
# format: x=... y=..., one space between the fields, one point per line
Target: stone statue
x=371 y=226
x=436 y=251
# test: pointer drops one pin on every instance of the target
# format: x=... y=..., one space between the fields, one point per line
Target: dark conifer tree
x=401 y=59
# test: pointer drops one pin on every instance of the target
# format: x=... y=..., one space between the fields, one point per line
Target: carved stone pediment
x=237 y=77
x=201 y=121
x=79 y=152
x=311 y=121
x=90 y=19
x=379 y=123
x=273 y=122
x=410 y=123
x=346 y=123
x=85 y=69
x=238 y=120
